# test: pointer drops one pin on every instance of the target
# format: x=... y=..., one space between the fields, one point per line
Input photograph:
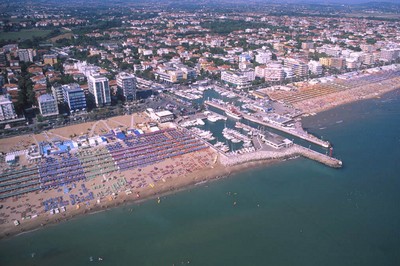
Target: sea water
x=296 y=212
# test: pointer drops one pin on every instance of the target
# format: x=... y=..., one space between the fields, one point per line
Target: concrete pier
x=319 y=157
x=295 y=150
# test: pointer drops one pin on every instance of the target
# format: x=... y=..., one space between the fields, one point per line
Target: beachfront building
x=271 y=72
x=162 y=116
x=237 y=79
x=315 y=67
x=127 y=85
x=47 y=105
x=388 y=55
x=57 y=93
x=274 y=72
x=367 y=59
x=99 y=90
x=337 y=62
x=300 y=69
x=7 y=110
x=74 y=96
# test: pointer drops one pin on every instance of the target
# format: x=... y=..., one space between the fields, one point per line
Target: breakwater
x=295 y=150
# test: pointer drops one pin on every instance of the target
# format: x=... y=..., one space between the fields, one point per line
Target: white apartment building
x=289 y=74
x=271 y=72
x=237 y=79
x=388 y=55
x=47 y=105
x=368 y=58
x=300 y=69
x=315 y=67
x=127 y=85
x=7 y=110
x=99 y=90
x=352 y=63
x=58 y=93
x=26 y=55
x=263 y=57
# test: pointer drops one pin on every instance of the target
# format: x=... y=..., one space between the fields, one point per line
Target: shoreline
x=345 y=97
x=209 y=175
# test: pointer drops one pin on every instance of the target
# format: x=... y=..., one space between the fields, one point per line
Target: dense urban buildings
x=105 y=103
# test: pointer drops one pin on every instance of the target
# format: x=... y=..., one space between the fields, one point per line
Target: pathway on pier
x=280 y=154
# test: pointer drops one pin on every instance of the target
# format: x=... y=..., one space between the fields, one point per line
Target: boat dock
x=303 y=135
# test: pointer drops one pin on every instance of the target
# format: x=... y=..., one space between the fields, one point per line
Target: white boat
x=235 y=140
x=233 y=115
x=247 y=144
x=228 y=137
x=218 y=144
x=200 y=122
x=212 y=118
x=225 y=148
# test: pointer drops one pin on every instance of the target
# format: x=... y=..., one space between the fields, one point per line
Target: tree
x=39 y=118
x=48 y=85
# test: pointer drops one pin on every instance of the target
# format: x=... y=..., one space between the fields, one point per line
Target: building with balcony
x=74 y=96
x=7 y=110
x=126 y=84
x=99 y=90
x=47 y=105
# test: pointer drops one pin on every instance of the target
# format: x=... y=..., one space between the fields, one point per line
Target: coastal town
x=98 y=111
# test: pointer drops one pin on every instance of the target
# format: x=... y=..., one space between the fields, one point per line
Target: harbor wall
x=286 y=153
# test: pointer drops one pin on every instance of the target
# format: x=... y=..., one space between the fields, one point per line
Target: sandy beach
x=182 y=178
x=321 y=97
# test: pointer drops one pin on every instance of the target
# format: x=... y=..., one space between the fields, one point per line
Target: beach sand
x=168 y=176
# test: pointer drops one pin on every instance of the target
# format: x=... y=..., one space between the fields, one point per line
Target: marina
x=297 y=133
